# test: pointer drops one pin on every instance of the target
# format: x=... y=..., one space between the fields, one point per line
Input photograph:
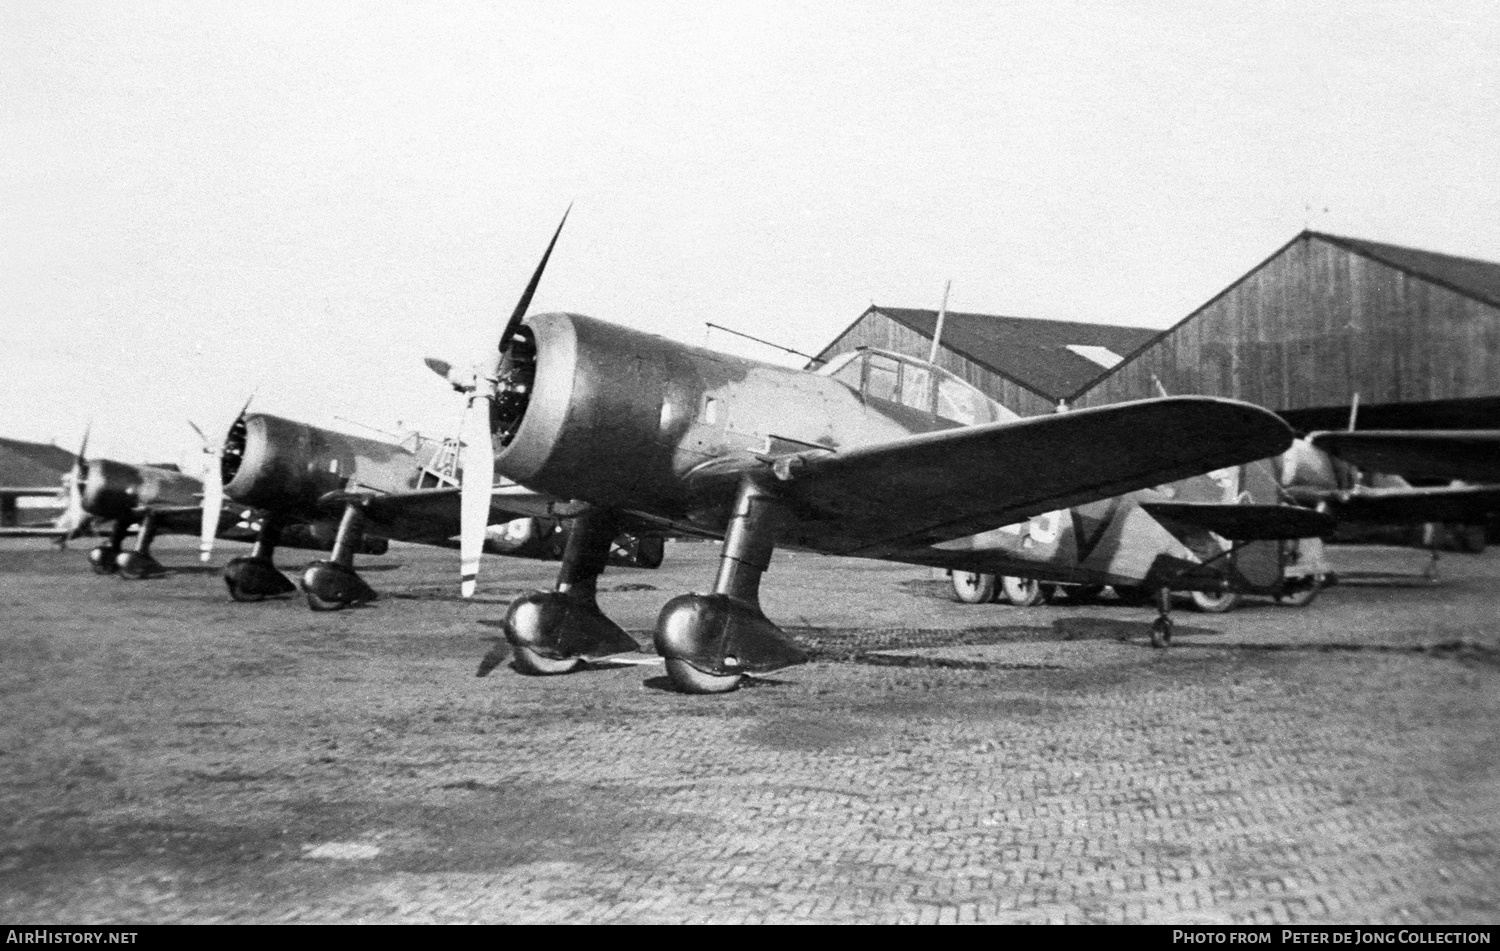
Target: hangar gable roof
x=1468 y=276
x=31 y=464
x=1057 y=359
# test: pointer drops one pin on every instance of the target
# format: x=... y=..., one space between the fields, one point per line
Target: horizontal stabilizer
x=1244 y=522
x=1471 y=455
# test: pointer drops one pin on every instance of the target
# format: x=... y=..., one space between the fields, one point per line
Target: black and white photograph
x=751 y=462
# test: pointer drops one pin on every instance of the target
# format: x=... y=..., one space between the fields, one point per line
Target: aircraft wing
x=1472 y=455
x=1411 y=506
x=187 y=520
x=33 y=531
x=1246 y=522
x=432 y=515
x=877 y=500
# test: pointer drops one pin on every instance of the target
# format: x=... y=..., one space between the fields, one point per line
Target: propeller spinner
x=478 y=436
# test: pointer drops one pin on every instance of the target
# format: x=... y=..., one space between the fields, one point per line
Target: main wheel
x=1301 y=591
x=133 y=565
x=1470 y=538
x=1216 y=602
x=533 y=663
x=1161 y=632
x=321 y=604
x=690 y=679
x=241 y=595
x=103 y=561
x=973 y=587
x=650 y=550
x=1026 y=592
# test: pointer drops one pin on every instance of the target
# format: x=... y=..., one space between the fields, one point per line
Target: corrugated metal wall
x=1315 y=324
x=875 y=329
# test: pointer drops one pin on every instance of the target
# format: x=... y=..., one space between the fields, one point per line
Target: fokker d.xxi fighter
x=1361 y=476
x=313 y=487
x=857 y=459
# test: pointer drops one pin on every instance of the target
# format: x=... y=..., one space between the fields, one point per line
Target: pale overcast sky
x=201 y=198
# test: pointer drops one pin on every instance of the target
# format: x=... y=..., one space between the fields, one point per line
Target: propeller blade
x=519 y=314
x=201 y=437
x=213 y=505
x=474 y=494
x=479 y=441
x=446 y=370
x=248 y=400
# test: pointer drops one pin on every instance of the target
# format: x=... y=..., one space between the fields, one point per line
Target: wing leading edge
x=875 y=501
x=1472 y=455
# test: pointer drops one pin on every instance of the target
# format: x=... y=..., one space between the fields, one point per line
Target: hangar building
x=1414 y=333
x=1026 y=365
x=29 y=469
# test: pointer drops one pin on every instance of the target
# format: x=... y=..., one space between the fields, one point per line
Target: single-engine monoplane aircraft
x=862 y=458
x=1217 y=536
x=1361 y=476
x=349 y=494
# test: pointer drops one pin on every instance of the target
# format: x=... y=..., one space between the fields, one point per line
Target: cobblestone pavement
x=169 y=756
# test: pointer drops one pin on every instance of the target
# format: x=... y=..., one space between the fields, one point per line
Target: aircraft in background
x=1217 y=536
x=872 y=456
x=1362 y=477
x=349 y=494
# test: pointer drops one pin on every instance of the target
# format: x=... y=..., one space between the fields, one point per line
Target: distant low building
x=1029 y=366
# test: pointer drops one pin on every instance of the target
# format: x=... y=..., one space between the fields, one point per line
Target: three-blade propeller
x=478 y=437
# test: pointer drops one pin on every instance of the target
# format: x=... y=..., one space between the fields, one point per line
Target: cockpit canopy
x=897 y=378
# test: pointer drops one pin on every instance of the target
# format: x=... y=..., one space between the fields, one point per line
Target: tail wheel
x=690 y=679
x=531 y=662
x=1026 y=592
x=1161 y=632
x=1216 y=602
x=973 y=587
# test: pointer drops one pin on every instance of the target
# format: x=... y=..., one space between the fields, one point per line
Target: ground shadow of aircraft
x=849 y=460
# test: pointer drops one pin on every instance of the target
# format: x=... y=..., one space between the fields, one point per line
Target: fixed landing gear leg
x=333 y=585
x=254 y=577
x=138 y=563
x=553 y=632
x=1161 y=628
x=103 y=557
x=710 y=642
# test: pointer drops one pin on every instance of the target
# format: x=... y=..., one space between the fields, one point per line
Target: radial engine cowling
x=116 y=489
x=286 y=466
x=602 y=414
